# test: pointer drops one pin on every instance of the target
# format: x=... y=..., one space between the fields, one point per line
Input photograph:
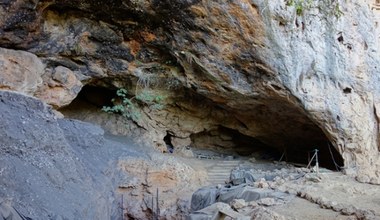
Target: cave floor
x=334 y=196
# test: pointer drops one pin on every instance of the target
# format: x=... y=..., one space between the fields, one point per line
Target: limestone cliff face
x=292 y=79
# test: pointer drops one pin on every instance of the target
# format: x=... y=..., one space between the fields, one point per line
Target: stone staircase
x=220 y=172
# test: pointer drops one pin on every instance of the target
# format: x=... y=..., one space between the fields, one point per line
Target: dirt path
x=340 y=193
x=301 y=209
x=336 y=196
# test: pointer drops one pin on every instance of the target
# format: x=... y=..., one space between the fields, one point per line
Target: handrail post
x=316 y=161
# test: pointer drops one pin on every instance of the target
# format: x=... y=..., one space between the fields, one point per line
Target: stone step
x=220 y=172
x=219 y=176
x=217 y=167
x=221 y=180
x=223 y=167
x=218 y=181
x=229 y=163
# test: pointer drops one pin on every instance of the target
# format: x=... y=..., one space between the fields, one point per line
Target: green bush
x=123 y=105
x=128 y=107
x=150 y=99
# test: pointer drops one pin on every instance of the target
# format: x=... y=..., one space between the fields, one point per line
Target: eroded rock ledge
x=257 y=69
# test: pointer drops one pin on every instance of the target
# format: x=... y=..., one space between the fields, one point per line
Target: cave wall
x=258 y=67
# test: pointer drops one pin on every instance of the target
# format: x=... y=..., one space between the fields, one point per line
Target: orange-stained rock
x=20 y=71
x=60 y=88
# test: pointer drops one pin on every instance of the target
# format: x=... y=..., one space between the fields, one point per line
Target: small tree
x=123 y=105
x=127 y=107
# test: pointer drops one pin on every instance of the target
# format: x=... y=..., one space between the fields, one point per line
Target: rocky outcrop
x=164 y=179
x=293 y=75
x=20 y=71
x=24 y=72
x=60 y=87
x=44 y=174
x=66 y=169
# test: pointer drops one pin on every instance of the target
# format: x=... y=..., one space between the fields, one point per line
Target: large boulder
x=20 y=71
x=51 y=169
x=60 y=87
x=24 y=72
x=209 y=195
x=204 y=197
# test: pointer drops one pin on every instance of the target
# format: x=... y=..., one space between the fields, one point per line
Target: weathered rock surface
x=292 y=80
x=67 y=169
x=60 y=87
x=46 y=173
x=21 y=71
x=209 y=195
x=8 y=212
x=172 y=180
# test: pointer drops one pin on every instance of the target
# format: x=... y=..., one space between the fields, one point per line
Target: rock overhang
x=240 y=56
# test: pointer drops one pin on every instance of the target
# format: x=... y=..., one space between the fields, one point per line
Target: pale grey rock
x=238 y=204
x=329 y=64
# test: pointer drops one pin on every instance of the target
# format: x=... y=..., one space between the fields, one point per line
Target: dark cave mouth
x=298 y=142
x=298 y=151
x=168 y=142
x=94 y=96
x=228 y=141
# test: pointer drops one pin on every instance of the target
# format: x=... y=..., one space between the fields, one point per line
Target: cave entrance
x=224 y=141
x=328 y=156
x=90 y=98
x=168 y=142
x=228 y=141
x=272 y=131
x=293 y=141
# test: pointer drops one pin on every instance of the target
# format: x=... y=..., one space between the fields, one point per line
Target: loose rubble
x=251 y=193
